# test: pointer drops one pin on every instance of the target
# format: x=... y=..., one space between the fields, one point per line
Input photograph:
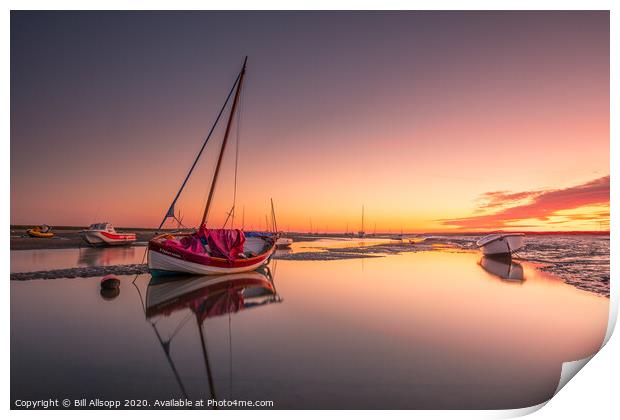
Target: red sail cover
x=224 y=243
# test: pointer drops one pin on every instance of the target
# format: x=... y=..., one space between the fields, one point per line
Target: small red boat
x=102 y=234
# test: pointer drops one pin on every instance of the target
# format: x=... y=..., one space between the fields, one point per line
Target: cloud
x=510 y=208
x=495 y=199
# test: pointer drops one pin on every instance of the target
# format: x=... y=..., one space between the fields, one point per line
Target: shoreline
x=326 y=254
x=69 y=237
x=569 y=273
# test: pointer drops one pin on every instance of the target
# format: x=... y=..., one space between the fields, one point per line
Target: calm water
x=432 y=329
x=52 y=259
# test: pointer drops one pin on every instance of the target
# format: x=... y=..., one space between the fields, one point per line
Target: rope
x=180 y=326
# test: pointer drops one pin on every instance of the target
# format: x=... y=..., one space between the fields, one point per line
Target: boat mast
x=219 y=159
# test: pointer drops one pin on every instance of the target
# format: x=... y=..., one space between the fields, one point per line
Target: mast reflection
x=205 y=297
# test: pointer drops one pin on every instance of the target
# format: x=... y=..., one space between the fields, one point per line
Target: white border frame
x=592 y=395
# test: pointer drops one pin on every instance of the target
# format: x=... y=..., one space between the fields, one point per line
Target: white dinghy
x=501 y=243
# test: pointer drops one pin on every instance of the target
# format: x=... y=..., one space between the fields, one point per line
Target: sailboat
x=207 y=251
x=361 y=233
x=281 y=241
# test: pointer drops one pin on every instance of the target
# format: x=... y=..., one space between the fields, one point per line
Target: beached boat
x=210 y=251
x=43 y=231
x=226 y=251
x=503 y=267
x=501 y=243
x=104 y=234
x=282 y=242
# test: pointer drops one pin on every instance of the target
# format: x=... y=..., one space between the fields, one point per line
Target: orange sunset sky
x=434 y=121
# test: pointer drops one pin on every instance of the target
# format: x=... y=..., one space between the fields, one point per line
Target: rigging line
x=139 y=293
x=239 y=113
x=165 y=345
x=232 y=209
x=204 y=144
x=180 y=326
x=166 y=348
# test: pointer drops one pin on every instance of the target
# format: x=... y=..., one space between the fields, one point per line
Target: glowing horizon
x=434 y=121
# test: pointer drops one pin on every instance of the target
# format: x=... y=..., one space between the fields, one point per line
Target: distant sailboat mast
x=361 y=233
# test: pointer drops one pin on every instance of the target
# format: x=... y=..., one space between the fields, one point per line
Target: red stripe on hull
x=117 y=236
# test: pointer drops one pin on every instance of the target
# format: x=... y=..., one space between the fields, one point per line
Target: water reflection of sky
x=422 y=330
x=51 y=259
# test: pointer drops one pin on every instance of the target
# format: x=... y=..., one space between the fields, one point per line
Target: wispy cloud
x=507 y=208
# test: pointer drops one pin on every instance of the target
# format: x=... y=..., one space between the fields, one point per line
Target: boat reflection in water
x=93 y=257
x=204 y=297
x=503 y=267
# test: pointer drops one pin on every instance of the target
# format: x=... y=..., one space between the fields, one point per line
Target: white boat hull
x=503 y=245
x=162 y=262
x=96 y=238
x=284 y=242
